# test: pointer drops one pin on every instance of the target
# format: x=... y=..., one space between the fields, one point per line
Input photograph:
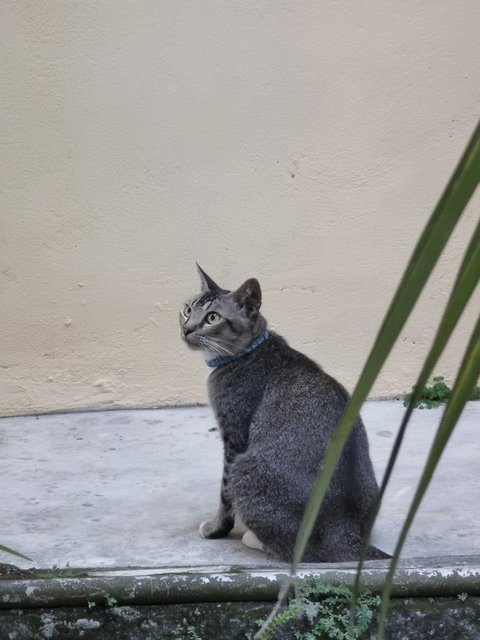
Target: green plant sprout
x=435 y=395
x=111 y=601
x=324 y=610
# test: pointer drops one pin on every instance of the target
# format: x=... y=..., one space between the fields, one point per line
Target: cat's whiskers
x=220 y=346
x=205 y=342
x=214 y=347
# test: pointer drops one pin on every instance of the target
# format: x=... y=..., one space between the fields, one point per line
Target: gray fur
x=276 y=410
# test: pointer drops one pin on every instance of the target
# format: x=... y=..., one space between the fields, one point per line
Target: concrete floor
x=129 y=488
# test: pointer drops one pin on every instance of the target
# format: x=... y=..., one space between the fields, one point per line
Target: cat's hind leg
x=251 y=541
x=265 y=507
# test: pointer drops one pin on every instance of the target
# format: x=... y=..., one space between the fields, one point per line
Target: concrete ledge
x=439 y=577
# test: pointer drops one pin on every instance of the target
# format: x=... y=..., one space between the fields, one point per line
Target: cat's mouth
x=193 y=341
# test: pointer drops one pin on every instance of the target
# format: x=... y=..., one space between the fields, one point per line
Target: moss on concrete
x=445 y=618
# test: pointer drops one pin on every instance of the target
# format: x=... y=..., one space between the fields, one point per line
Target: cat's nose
x=186 y=331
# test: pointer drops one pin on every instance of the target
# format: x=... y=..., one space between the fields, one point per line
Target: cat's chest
x=228 y=401
x=234 y=403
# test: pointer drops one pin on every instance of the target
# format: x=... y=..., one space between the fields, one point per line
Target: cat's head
x=222 y=322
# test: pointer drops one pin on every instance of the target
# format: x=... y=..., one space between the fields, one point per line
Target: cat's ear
x=249 y=295
x=207 y=284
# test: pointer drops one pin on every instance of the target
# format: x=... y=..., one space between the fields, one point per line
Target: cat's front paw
x=214 y=529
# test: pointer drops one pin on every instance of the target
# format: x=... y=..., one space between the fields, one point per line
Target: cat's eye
x=213 y=318
x=187 y=311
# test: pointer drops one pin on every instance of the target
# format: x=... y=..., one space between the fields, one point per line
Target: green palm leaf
x=465 y=284
x=464 y=385
x=13 y=552
x=432 y=241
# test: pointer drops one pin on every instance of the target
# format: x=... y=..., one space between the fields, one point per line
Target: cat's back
x=278 y=380
x=300 y=395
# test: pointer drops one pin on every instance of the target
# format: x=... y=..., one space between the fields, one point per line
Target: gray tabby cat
x=276 y=410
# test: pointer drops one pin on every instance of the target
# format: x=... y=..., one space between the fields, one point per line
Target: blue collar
x=219 y=362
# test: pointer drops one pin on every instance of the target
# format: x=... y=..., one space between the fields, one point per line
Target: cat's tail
x=376 y=554
x=356 y=542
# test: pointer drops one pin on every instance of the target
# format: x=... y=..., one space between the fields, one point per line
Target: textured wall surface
x=302 y=143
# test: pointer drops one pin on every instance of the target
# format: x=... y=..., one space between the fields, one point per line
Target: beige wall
x=304 y=143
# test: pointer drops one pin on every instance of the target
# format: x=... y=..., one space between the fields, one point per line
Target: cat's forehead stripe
x=206 y=300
